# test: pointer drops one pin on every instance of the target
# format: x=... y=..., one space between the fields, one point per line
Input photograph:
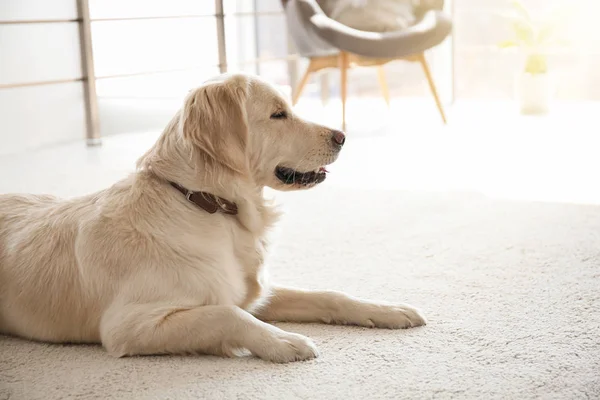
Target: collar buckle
x=207 y=201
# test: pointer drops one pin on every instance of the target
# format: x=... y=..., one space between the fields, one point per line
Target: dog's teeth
x=291 y=176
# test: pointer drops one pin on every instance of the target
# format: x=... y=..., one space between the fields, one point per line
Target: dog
x=170 y=259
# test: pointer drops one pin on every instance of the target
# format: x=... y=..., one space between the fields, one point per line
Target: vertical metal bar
x=292 y=66
x=441 y=60
x=452 y=10
x=89 y=76
x=220 y=15
x=256 y=35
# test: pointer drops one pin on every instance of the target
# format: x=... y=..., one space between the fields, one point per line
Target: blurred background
x=73 y=72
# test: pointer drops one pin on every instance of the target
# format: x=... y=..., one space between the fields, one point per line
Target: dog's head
x=243 y=125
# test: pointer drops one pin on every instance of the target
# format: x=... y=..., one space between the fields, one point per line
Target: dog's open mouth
x=290 y=176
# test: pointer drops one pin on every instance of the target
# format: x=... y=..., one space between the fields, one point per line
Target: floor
x=486 y=148
x=490 y=225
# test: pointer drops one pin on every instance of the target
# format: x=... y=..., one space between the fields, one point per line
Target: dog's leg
x=296 y=305
x=143 y=329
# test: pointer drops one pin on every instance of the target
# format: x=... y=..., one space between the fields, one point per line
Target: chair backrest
x=307 y=42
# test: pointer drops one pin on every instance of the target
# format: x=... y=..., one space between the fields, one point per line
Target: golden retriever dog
x=170 y=259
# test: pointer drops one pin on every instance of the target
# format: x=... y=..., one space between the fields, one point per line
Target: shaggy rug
x=511 y=290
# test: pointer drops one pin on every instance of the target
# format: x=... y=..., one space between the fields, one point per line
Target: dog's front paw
x=391 y=316
x=284 y=347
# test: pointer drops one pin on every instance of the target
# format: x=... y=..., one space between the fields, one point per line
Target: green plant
x=535 y=35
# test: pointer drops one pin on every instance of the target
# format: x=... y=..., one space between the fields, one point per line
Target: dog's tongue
x=323 y=169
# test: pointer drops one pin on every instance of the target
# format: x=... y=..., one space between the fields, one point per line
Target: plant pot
x=534 y=92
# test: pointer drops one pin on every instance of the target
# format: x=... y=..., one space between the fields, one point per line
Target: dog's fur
x=143 y=271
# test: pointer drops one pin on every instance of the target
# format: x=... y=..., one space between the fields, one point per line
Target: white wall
x=129 y=100
x=39 y=115
x=187 y=46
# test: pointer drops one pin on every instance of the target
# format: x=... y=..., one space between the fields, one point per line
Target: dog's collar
x=207 y=201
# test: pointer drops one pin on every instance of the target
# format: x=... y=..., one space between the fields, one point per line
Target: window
x=257 y=40
x=148 y=53
x=482 y=70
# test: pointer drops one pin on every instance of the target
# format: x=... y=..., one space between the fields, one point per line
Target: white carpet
x=511 y=291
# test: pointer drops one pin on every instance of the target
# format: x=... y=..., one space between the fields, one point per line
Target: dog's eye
x=279 y=115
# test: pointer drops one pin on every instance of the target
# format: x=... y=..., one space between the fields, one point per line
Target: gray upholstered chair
x=330 y=44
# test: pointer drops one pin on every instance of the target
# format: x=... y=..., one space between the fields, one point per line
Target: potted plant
x=534 y=84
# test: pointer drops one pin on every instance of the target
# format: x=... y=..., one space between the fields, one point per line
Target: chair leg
x=438 y=102
x=343 y=61
x=325 y=92
x=303 y=82
x=383 y=84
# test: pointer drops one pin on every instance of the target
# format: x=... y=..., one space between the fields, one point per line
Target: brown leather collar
x=207 y=201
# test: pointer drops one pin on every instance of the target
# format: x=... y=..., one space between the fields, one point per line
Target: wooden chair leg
x=303 y=82
x=343 y=65
x=325 y=92
x=383 y=84
x=425 y=66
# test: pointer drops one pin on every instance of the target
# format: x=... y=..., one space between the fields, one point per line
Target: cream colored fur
x=141 y=270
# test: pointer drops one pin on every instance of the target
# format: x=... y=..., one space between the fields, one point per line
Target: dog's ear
x=214 y=120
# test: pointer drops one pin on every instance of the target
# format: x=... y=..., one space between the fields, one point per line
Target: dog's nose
x=338 y=138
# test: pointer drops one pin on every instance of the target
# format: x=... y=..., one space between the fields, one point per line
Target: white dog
x=170 y=259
